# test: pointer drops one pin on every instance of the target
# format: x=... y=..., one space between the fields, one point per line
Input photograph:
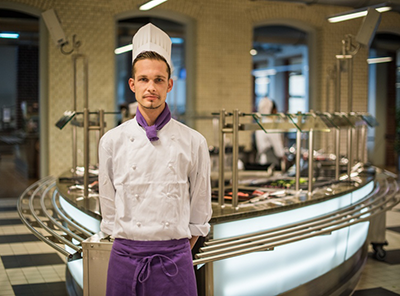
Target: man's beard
x=151 y=107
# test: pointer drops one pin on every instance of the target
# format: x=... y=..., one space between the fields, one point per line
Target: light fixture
x=253 y=52
x=379 y=60
x=123 y=49
x=151 y=4
x=9 y=35
x=126 y=48
x=348 y=15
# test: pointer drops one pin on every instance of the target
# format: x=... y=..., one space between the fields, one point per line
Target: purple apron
x=151 y=268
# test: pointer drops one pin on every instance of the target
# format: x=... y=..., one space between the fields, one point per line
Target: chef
x=270 y=148
x=154 y=182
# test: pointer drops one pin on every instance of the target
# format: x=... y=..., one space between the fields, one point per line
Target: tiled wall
x=223 y=37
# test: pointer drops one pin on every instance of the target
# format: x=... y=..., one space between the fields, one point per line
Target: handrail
x=32 y=229
x=44 y=226
x=388 y=195
x=54 y=221
x=68 y=219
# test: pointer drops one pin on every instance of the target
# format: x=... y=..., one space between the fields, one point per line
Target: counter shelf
x=281 y=199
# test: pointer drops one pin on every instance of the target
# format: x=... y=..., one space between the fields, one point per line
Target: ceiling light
x=379 y=60
x=126 y=48
x=151 y=4
x=348 y=15
x=9 y=35
x=253 y=52
x=123 y=49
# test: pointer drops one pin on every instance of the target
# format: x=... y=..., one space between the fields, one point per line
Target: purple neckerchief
x=161 y=121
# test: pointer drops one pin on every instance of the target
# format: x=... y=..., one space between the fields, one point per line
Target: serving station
x=287 y=232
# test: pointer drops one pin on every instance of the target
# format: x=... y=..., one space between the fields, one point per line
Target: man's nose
x=151 y=85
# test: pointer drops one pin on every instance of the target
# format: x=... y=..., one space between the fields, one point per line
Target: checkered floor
x=27 y=266
x=383 y=278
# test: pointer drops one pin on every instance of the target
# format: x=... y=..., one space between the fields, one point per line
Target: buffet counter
x=271 y=234
x=277 y=241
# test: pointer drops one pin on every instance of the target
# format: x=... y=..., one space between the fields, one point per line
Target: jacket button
x=138 y=224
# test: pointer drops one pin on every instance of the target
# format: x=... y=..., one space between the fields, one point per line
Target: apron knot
x=145 y=268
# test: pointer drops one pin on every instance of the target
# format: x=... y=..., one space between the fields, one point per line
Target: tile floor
x=27 y=266
x=30 y=267
x=383 y=278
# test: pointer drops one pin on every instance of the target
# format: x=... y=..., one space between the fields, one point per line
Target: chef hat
x=151 y=38
x=265 y=106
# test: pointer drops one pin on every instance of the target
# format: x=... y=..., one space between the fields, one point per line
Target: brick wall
x=222 y=39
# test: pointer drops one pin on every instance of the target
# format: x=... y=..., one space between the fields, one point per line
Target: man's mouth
x=151 y=97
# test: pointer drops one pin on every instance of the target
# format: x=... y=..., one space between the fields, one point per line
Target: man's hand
x=193 y=241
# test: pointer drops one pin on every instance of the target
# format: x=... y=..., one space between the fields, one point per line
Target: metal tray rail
x=40 y=214
x=383 y=198
x=67 y=218
x=58 y=224
x=54 y=231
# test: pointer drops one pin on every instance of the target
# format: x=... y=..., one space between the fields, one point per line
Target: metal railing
x=39 y=209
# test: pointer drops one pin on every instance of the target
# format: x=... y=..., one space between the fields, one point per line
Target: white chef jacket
x=156 y=190
x=265 y=141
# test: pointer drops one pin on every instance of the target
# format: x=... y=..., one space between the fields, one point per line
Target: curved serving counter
x=270 y=234
x=283 y=242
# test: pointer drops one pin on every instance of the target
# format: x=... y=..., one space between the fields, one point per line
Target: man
x=154 y=181
x=270 y=148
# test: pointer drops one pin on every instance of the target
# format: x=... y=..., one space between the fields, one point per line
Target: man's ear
x=170 y=84
x=131 y=83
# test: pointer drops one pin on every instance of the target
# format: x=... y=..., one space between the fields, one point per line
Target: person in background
x=269 y=146
x=154 y=183
x=132 y=109
x=124 y=113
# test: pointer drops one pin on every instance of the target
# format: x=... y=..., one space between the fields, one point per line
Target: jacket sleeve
x=200 y=191
x=106 y=189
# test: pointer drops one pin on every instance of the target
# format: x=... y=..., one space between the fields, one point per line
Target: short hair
x=273 y=106
x=151 y=55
